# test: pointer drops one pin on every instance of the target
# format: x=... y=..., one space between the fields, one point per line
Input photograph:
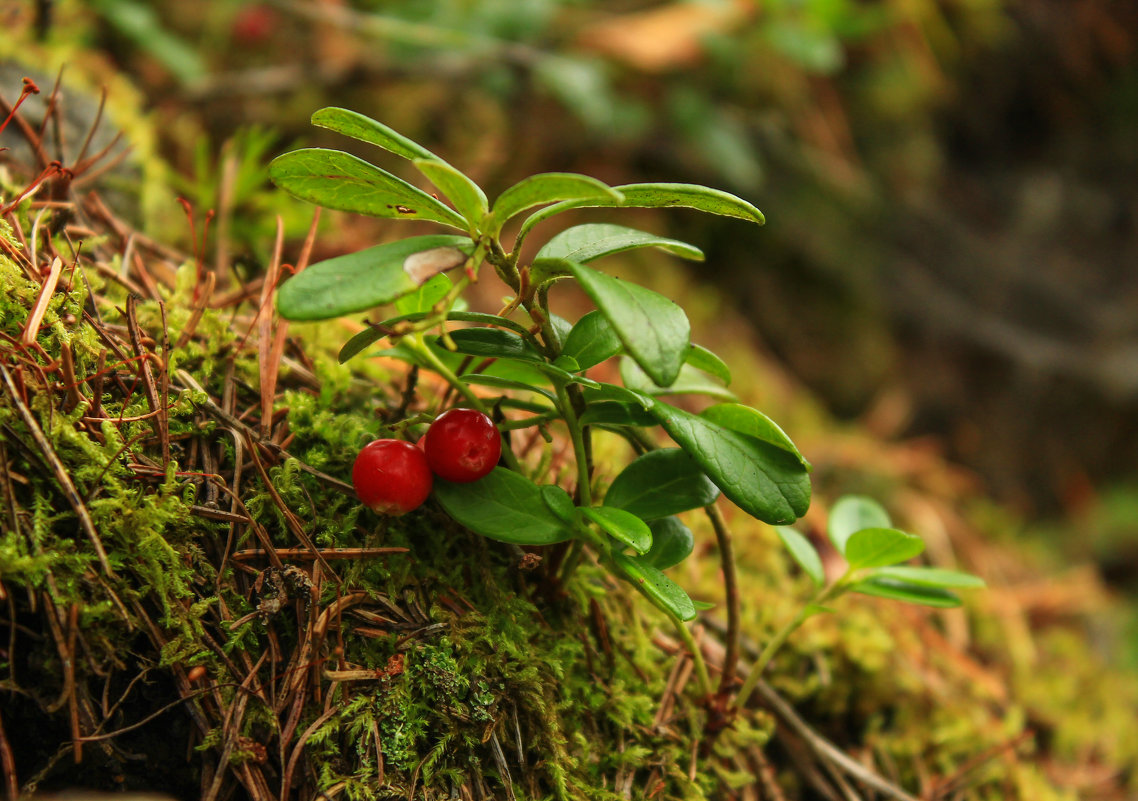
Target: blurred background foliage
x=950 y=184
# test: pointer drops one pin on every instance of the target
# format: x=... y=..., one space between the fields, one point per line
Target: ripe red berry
x=392 y=476
x=462 y=445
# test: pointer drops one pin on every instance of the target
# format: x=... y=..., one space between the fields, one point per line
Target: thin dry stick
x=286 y=780
x=825 y=749
x=8 y=760
x=291 y=519
x=60 y=471
x=152 y=398
x=268 y=369
x=32 y=326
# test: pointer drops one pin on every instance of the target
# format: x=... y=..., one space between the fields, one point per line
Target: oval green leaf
x=422 y=300
x=880 y=547
x=690 y=381
x=558 y=501
x=852 y=513
x=703 y=359
x=356 y=125
x=661 y=483
x=357 y=281
x=804 y=553
x=616 y=413
x=766 y=482
x=621 y=525
x=494 y=343
x=583 y=243
x=753 y=423
x=467 y=196
x=651 y=196
x=591 y=341
x=656 y=587
x=931 y=576
x=654 y=330
x=672 y=543
x=504 y=506
x=549 y=187
x=481 y=379
x=897 y=590
x=338 y=180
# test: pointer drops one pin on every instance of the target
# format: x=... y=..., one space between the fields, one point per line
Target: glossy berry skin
x=462 y=445
x=392 y=477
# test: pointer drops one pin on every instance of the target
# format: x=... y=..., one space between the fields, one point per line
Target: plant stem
x=779 y=639
x=731 y=593
x=696 y=654
x=580 y=452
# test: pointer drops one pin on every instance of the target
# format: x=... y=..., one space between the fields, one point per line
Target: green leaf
x=494 y=343
x=753 y=423
x=653 y=196
x=591 y=341
x=661 y=483
x=879 y=547
x=897 y=590
x=549 y=187
x=702 y=606
x=505 y=383
x=618 y=394
x=703 y=359
x=339 y=180
x=357 y=281
x=852 y=513
x=672 y=543
x=615 y=413
x=361 y=342
x=466 y=195
x=558 y=501
x=654 y=330
x=657 y=587
x=766 y=482
x=356 y=125
x=690 y=381
x=930 y=576
x=621 y=525
x=583 y=243
x=504 y=506
x=422 y=300
x=803 y=552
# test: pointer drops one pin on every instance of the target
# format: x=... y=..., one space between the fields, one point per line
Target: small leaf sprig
x=862 y=532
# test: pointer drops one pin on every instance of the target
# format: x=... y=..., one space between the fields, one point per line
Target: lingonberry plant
x=537 y=362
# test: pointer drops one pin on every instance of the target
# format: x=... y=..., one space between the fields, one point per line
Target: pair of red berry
x=393 y=476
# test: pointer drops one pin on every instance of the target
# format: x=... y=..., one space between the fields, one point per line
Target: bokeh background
x=951 y=186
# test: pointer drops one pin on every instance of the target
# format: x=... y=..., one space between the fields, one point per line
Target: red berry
x=462 y=445
x=392 y=476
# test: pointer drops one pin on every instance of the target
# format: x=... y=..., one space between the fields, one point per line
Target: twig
x=8 y=760
x=148 y=384
x=825 y=749
x=290 y=518
x=731 y=592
